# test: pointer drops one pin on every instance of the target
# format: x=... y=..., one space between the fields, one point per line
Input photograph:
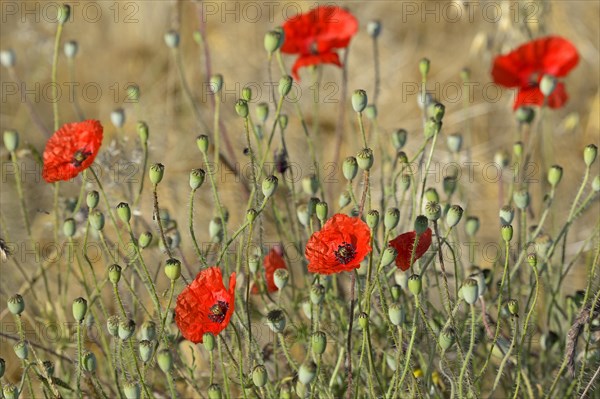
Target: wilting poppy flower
x=273 y=261
x=205 y=305
x=404 y=244
x=71 y=149
x=524 y=67
x=316 y=34
x=339 y=246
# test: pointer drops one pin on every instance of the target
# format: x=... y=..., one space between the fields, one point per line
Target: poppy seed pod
x=148 y=330
x=10 y=391
x=16 y=304
x=424 y=65
x=507 y=215
x=350 y=168
x=112 y=325
x=513 y=307
x=371 y=111
x=156 y=173
x=454 y=142
x=272 y=41
x=251 y=215
x=472 y=225
x=79 y=309
x=555 y=175
x=262 y=112
x=421 y=224
x=69 y=227
x=117 y=117
x=96 y=219
x=391 y=218
x=246 y=94
x=131 y=390
x=388 y=256
x=373 y=219
x=303 y=215
x=21 y=350
x=259 y=376
x=344 y=199
x=446 y=339
x=454 y=215
x=433 y=210
x=145 y=239
x=114 y=273
x=253 y=263
x=8 y=58
x=548 y=84
x=317 y=293
x=395 y=314
x=172 y=39
x=507 y=232
x=202 y=143
x=374 y=29
x=307 y=372
x=395 y=291
x=146 y=348
x=11 y=140
x=589 y=154
x=124 y=212
x=521 y=199
x=399 y=138
x=285 y=85
x=241 y=108
x=359 y=100
x=197 y=177
x=532 y=259
x=283 y=121
x=404 y=182
x=126 y=329
x=276 y=320
x=280 y=278
x=215 y=83
x=208 y=339
x=470 y=291
x=214 y=392
x=269 y=185
x=401 y=278
x=319 y=342
x=88 y=360
x=525 y=115
x=173 y=269
x=143 y=131
x=415 y=284
x=164 y=358
x=596 y=184
x=321 y=211
x=310 y=184
x=432 y=128
x=364 y=159
x=64 y=12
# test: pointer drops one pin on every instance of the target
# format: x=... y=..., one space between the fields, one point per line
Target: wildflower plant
x=286 y=278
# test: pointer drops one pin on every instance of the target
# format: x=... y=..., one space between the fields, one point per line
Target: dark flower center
x=533 y=79
x=313 y=48
x=345 y=253
x=79 y=157
x=218 y=311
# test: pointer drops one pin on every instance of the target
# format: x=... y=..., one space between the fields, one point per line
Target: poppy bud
x=548 y=84
x=156 y=173
x=513 y=307
x=208 y=339
x=438 y=111
x=589 y=154
x=246 y=94
x=69 y=227
x=173 y=269
x=424 y=65
x=16 y=304
x=126 y=329
x=507 y=232
x=431 y=194
x=344 y=199
x=310 y=184
x=253 y=263
x=470 y=291
x=433 y=211
x=272 y=41
x=164 y=360
x=269 y=185
x=259 y=376
x=421 y=224
x=371 y=111
x=197 y=178
x=146 y=348
x=454 y=142
x=117 y=117
x=532 y=260
x=373 y=219
x=79 y=309
x=454 y=215
x=359 y=100
x=319 y=342
x=262 y=112
x=395 y=314
x=96 y=219
x=404 y=182
x=303 y=215
x=215 y=83
x=596 y=184
x=364 y=158
x=64 y=12
x=388 y=256
x=251 y=215
x=21 y=350
x=543 y=242
x=415 y=284
x=145 y=239
x=114 y=273
x=276 y=320
x=112 y=325
x=133 y=93
x=202 y=143
x=11 y=140
x=555 y=175
x=283 y=121
x=285 y=85
x=241 y=108
x=350 y=168
x=214 y=392
x=507 y=215
x=317 y=293
x=472 y=225
x=124 y=212
x=131 y=390
x=2 y=367
x=446 y=339
x=521 y=199
x=307 y=372
x=399 y=138
x=88 y=360
x=374 y=29
x=7 y=58
x=280 y=278
x=172 y=39
x=321 y=211
x=432 y=128
x=518 y=149
x=525 y=115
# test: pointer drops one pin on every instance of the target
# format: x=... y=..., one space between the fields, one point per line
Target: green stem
x=469 y=353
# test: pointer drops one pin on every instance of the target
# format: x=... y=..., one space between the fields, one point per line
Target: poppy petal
x=307 y=60
x=404 y=244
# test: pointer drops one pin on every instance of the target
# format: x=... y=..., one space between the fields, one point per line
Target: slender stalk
x=469 y=352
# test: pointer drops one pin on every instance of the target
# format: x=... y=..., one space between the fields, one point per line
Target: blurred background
x=122 y=43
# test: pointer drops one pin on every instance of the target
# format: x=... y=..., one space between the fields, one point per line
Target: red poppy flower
x=71 y=149
x=524 y=67
x=315 y=35
x=205 y=305
x=273 y=261
x=404 y=244
x=339 y=246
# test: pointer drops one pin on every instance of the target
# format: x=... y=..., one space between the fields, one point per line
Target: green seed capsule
x=131 y=390
x=555 y=175
x=395 y=314
x=454 y=215
x=88 y=360
x=432 y=128
x=507 y=233
x=525 y=115
x=285 y=85
x=513 y=307
x=470 y=291
x=197 y=178
x=259 y=376
x=262 y=112
x=472 y=225
x=548 y=84
x=317 y=293
x=433 y=210
x=214 y=392
x=521 y=199
x=276 y=320
x=454 y=142
x=396 y=291
x=126 y=329
x=391 y=218
x=280 y=278
x=307 y=372
x=321 y=211
x=145 y=239
x=371 y=111
x=350 y=168
x=79 y=309
x=16 y=304
x=319 y=342
x=21 y=350
x=344 y=199
x=359 y=100
x=164 y=358
x=446 y=339
x=146 y=348
x=148 y=330
x=10 y=391
x=310 y=184
x=156 y=173
x=92 y=199
x=364 y=159
x=173 y=269
x=421 y=224
x=11 y=140
x=388 y=256
x=112 y=325
x=124 y=212
x=589 y=154
x=415 y=284
x=373 y=219
x=202 y=143
x=269 y=185
x=114 y=273
x=69 y=227
x=363 y=320
x=532 y=259
x=399 y=137
x=96 y=219
x=143 y=131
x=215 y=83
x=507 y=215
x=272 y=41
x=432 y=195
x=208 y=339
